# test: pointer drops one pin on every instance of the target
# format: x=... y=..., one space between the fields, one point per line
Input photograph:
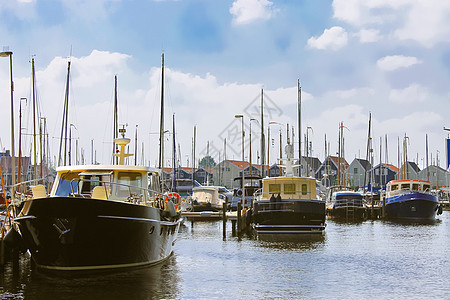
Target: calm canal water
x=367 y=260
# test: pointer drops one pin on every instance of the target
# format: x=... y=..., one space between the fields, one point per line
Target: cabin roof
x=409 y=181
x=84 y=168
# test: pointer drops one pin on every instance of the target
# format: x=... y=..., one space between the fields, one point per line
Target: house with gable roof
x=409 y=170
x=383 y=173
x=328 y=170
x=436 y=176
x=357 y=172
x=225 y=172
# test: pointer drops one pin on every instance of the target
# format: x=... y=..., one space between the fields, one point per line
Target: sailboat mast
x=64 y=120
x=136 y=146
x=426 y=154
x=263 y=158
x=299 y=104
x=174 y=184
x=161 y=124
x=368 y=149
x=33 y=74
x=116 y=122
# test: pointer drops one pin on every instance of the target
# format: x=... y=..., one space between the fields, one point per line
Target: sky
x=353 y=58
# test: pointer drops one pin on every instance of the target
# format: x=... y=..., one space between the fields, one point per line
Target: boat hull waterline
x=67 y=234
x=414 y=206
x=289 y=217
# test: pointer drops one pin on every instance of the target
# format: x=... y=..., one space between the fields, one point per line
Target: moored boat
x=288 y=204
x=209 y=198
x=410 y=199
x=346 y=204
x=99 y=217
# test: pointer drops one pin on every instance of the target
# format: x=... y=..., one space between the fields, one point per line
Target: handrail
x=21 y=195
x=132 y=196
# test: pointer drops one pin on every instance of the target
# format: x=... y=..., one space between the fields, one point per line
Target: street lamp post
x=13 y=166
x=250 y=158
x=243 y=176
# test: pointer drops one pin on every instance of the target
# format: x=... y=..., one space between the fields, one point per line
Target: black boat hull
x=66 y=234
x=289 y=217
x=348 y=213
x=412 y=209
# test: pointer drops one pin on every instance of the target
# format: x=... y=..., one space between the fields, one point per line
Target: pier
x=237 y=218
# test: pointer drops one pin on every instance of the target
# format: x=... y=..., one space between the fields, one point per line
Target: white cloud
x=368 y=35
x=394 y=62
x=423 y=21
x=247 y=11
x=350 y=94
x=334 y=38
x=426 y=22
x=412 y=94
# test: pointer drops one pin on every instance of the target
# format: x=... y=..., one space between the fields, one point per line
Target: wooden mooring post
x=239 y=221
x=224 y=219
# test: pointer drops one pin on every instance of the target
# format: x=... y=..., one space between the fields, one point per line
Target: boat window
x=223 y=190
x=405 y=186
x=289 y=188
x=394 y=187
x=426 y=187
x=94 y=180
x=274 y=188
x=64 y=188
x=304 y=189
x=154 y=183
x=415 y=186
x=127 y=179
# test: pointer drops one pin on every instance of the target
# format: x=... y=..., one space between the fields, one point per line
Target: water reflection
x=13 y=275
x=155 y=282
x=292 y=241
x=414 y=222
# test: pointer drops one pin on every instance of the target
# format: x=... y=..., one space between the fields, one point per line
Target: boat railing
x=135 y=194
x=274 y=206
x=406 y=191
x=286 y=195
x=257 y=194
x=22 y=190
x=349 y=202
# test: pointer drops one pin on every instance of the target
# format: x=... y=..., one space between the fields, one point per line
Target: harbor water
x=366 y=260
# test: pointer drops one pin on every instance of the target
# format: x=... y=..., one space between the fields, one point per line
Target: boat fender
x=439 y=212
x=13 y=239
x=278 y=202
x=248 y=217
x=170 y=209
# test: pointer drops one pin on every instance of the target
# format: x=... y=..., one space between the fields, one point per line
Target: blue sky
x=387 y=58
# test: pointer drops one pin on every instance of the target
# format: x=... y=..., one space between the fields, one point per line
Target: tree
x=207 y=161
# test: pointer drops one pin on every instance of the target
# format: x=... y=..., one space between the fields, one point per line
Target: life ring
x=172 y=196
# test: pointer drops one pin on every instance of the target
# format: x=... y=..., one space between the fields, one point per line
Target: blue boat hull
x=413 y=206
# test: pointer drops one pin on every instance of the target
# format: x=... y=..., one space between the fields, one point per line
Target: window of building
x=355 y=171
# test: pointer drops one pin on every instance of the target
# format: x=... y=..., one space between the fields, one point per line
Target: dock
x=237 y=218
x=204 y=215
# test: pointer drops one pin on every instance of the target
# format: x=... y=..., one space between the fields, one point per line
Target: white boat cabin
x=107 y=182
x=289 y=188
x=396 y=187
x=208 y=194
